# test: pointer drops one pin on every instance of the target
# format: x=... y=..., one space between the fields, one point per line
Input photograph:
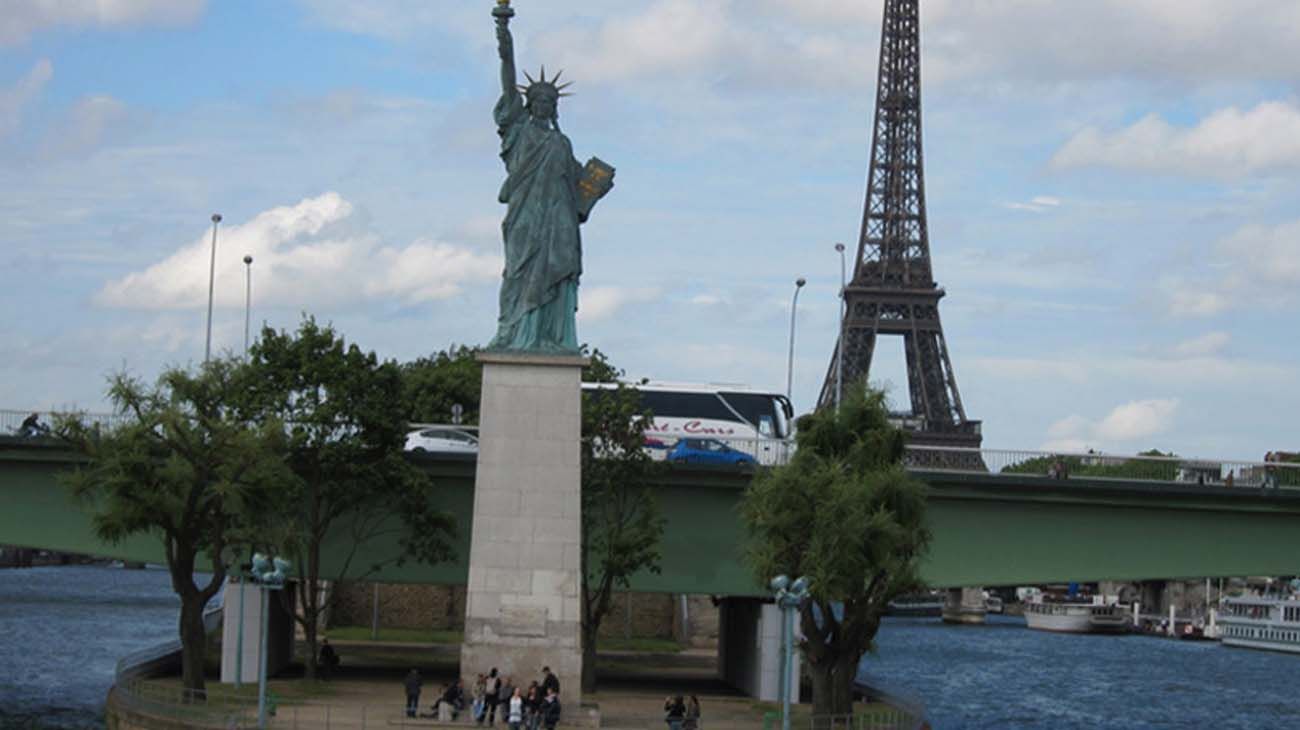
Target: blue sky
x=1112 y=193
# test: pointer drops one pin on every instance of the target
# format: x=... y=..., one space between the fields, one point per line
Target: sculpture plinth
x=523 y=608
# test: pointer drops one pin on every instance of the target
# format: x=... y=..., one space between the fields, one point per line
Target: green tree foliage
x=621 y=523
x=432 y=385
x=345 y=436
x=185 y=469
x=844 y=514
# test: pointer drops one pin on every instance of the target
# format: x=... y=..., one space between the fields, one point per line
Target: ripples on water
x=63 y=630
x=1003 y=675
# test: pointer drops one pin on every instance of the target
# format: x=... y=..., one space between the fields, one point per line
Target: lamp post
x=789 y=368
x=269 y=573
x=212 y=275
x=789 y=597
x=839 y=347
x=248 y=297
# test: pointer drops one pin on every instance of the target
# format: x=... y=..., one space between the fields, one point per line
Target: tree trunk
x=589 y=657
x=194 y=645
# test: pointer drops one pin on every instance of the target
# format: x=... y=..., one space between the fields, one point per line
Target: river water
x=63 y=629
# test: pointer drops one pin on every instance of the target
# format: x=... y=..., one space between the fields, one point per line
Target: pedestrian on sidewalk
x=692 y=719
x=412 y=684
x=551 y=710
x=492 y=696
x=533 y=707
x=550 y=682
x=674 y=712
x=515 y=718
x=480 y=698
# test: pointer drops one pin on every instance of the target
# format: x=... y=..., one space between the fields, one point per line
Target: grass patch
x=414 y=636
x=652 y=645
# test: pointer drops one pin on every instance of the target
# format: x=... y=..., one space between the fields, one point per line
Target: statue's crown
x=542 y=85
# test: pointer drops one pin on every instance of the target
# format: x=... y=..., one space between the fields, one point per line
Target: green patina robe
x=543 y=247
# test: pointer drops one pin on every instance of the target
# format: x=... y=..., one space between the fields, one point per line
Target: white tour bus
x=748 y=420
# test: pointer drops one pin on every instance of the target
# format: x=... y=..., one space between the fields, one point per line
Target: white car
x=442 y=440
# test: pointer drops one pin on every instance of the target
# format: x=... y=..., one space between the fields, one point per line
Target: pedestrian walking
x=412 y=684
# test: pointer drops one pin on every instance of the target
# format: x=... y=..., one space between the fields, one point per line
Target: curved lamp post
x=212 y=275
x=789 y=368
x=839 y=349
x=270 y=574
x=789 y=597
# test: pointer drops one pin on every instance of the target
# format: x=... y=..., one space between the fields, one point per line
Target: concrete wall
x=280 y=639
x=749 y=648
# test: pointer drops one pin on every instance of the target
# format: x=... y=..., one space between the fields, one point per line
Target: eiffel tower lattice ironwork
x=893 y=290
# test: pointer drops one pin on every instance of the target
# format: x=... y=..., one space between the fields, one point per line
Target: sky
x=1112 y=192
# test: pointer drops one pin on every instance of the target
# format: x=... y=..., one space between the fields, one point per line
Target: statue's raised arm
x=506 y=46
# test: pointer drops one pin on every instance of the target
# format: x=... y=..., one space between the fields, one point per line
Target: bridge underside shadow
x=987 y=530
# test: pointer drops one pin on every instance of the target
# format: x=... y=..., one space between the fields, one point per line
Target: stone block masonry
x=523 y=607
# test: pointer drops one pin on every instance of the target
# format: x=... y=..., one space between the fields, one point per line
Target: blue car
x=708 y=451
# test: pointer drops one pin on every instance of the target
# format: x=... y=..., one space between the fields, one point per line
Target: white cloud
x=602 y=302
x=16 y=98
x=1125 y=425
x=1228 y=143
x=305 y=254
x=1210 y=343
x=1038 y=204
x=706 y=300
x=22 y=18
x=1186 y=299
x=90 y=123
x=1267 y=253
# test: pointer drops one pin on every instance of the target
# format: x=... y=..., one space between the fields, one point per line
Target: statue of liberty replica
x=549 y=194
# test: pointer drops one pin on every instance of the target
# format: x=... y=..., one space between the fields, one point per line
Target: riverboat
x=1261 y=622
x=1075 y=615
x=916 y=604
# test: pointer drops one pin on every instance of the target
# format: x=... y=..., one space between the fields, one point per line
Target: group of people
x=680 y=714
x=522 y=708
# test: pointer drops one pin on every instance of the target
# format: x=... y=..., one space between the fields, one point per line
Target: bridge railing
x=11 y=421
x=1096 y=465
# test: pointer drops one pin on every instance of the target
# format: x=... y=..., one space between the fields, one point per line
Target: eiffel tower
x=893 y=290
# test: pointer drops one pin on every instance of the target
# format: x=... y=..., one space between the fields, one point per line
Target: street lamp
x=789 y=597
x=839 y=348
x=269 y=573
x=248 y=297
x=789 y=368
x=212 y=275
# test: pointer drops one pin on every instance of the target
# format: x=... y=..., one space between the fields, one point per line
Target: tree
x=845 y=514
x=350 y=482
x=621 y=524
x=432 y=385
x=186 y=469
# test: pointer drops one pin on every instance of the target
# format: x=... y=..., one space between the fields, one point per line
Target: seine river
x=64 y=628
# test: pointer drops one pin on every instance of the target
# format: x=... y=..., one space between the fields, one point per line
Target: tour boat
x=1261 y=622
x=1075 y=615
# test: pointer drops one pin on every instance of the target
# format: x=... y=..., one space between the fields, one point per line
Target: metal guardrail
x=11 y=421
x=1096 y=465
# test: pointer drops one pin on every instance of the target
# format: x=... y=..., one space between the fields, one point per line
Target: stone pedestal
x=523 y=605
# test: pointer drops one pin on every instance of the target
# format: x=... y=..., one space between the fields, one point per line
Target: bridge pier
x=749 y=648
x=964 y=606
x=280 y=635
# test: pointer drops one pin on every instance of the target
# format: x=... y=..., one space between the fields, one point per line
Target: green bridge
x=989 y=528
